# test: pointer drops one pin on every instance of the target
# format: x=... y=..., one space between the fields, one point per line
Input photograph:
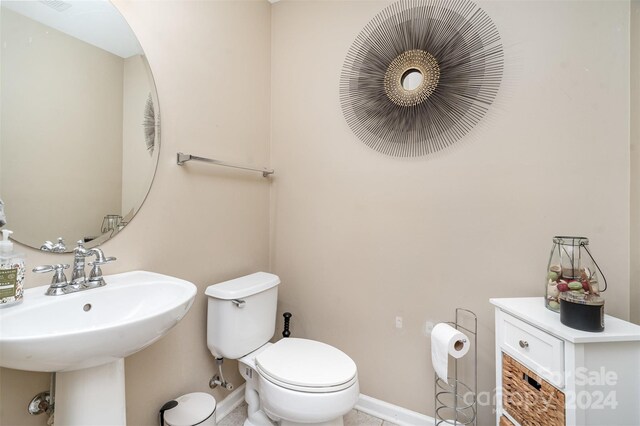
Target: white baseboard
x=392 y=413
x=366 y=404
x=229 y=404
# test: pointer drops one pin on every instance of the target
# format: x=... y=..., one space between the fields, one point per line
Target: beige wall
x=61 y=132
x=635 y=162
x=201 y=223
x=359 y=238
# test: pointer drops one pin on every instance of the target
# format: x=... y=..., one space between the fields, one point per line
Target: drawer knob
x=523 y=344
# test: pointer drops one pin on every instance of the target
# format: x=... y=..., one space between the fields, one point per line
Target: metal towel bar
x=183 y=158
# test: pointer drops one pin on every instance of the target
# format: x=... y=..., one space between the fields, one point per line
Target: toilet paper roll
x=445 y=341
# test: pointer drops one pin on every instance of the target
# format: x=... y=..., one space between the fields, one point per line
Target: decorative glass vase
x=571 y=269
x=111 y=222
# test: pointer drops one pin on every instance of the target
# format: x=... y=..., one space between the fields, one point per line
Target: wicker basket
x=505 y=421
x=528 y=398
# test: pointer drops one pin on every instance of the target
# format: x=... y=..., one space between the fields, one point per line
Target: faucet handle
x=95 y=277
x=102 y=261
x=47 y=246
x=49 y=268
x=59 y=280
x=43 y=268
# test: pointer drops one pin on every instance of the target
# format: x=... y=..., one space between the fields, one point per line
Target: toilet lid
x=306 y=365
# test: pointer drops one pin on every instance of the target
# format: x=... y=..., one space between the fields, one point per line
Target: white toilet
x=290 y=382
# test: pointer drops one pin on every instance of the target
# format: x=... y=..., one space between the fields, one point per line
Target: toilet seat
x=306 y=366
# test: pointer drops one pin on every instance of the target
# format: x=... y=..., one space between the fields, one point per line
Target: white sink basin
x=92 y=327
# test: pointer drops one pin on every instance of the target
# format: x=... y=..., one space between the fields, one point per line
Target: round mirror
x=79 y=135
x=411 y=79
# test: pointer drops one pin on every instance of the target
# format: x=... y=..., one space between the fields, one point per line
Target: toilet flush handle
x=239 y=303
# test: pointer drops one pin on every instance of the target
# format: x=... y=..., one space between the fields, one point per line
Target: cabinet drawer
x=529 y=399
x=505 y=421
x=539 y=351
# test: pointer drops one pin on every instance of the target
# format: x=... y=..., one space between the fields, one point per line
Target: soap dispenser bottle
x=11 y=272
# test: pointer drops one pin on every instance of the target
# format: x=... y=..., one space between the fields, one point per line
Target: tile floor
x=354 y=418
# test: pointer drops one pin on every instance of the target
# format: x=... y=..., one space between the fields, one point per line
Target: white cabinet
x=550 y=374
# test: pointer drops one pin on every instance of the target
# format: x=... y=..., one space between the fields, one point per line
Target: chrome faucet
x=58 y=247
x=79 y=281
x=78 y=277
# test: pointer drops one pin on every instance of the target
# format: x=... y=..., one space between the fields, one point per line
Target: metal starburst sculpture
x=149 y=124
x=420 y=75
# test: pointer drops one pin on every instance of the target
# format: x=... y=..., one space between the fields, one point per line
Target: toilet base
x=257 y=417
x=336 y=422
x=248 y=422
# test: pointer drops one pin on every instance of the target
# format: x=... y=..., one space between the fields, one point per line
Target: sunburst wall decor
x=420 y=75
x=149 y=124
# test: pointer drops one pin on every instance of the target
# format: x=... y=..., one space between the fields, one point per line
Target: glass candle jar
x=571 y=269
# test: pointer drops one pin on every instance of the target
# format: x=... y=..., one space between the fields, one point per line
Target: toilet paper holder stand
x=456 y=402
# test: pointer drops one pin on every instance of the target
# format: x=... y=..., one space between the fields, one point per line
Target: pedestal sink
x=85 y=336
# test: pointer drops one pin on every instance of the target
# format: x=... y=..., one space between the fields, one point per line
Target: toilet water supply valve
x=219 y=379
x=287 y=317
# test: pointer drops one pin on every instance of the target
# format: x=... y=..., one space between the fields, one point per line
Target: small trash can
x=192 y=409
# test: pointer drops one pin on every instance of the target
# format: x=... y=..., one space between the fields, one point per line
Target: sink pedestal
x=91 y=396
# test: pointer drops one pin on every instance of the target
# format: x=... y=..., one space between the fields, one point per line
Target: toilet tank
x=241 y=314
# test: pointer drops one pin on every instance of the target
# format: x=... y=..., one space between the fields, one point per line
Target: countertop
x=533 y=311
